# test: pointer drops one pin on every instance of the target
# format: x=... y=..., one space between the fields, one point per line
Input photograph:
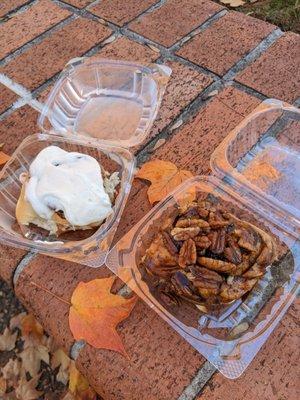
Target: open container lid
x=260 y=159
x=256 y=167
x=99 y=99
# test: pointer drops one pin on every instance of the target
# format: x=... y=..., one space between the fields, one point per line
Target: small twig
x=52 y=294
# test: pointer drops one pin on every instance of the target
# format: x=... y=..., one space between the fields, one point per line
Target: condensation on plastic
x=256 y=172
x=97 y=107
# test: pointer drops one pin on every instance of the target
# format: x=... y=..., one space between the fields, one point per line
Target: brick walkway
x=224 y=64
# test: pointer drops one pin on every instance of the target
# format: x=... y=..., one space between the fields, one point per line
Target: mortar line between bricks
x=25 y=96
x=92 y=51
x=187 y=113
x=38 y=39
x=125 y=31
x=248 y=90
x=148 y=10
x=18 y=10
x=253 y=54
x=202 y=377
x=209 y=22
x=22 y=264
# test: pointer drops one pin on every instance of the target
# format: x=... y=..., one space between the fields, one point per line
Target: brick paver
x=61 y=278
x=164 y=25
x=193 y=145
x=276 y=73
x=41 y=62
x=119 y=11
x=225 y=42
x=161 y=363
x=79 y=3
x=27 y=25
x=9 y=259
x=125 y=49
x=7 y=97
x=7 y=6
x=17 y=127
x=274 y=373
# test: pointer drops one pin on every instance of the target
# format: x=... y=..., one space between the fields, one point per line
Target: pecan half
x=185 y=233
x=233 y=252
x=217 y=239
x=191 y=212
x=238 y=287
x=242 y=267
x=181 y=284
x=187 y=254
x=188 y=222
x=169 y=244
x=255 y=271
x=206 y=281
x=216 y=265
x=202 y=242
x=216 y=220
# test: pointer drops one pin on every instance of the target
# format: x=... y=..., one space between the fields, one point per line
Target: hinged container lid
x=97 y=99
x=260 y=159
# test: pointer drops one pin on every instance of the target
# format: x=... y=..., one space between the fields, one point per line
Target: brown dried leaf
x=60 y=359
x=79 y=386
x=31 y=358
x=164 y=177
x=31 y=328
x=16 y=321
x=26 y=390
x=233 y=3
x=3 y=386
x=8 y=340
x=11 y=371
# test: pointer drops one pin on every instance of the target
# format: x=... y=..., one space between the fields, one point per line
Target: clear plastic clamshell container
x=256 y=177
x=100 y=108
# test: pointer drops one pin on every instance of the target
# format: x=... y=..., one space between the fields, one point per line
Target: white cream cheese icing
x=68 y=182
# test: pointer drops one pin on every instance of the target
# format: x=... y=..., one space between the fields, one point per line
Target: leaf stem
x=49 y=292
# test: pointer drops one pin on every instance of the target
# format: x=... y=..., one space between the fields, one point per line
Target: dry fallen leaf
x=8 y=340
x=79 y=387
x=31 y=328
x=26 y=390
x=32 y=356
x=3 y=385
x=16 y=321
x=3 y=157
x=95 y=313
x=164 y=177
x=60 y=359
x=233 y=3
x=11 y=371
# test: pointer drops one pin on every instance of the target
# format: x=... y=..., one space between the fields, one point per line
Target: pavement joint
x=25 y=96
x=210 y=21
x=76 y=349
x=18 y=10
x=253 y=54
x=22 y=265
x=193 y=107
x=204 y=374
x=36 y=40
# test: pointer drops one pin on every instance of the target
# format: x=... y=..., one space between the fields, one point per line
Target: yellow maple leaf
x=164 y=177
x=95 y=313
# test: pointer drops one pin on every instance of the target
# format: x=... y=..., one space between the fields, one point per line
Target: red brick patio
x=224 y=64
